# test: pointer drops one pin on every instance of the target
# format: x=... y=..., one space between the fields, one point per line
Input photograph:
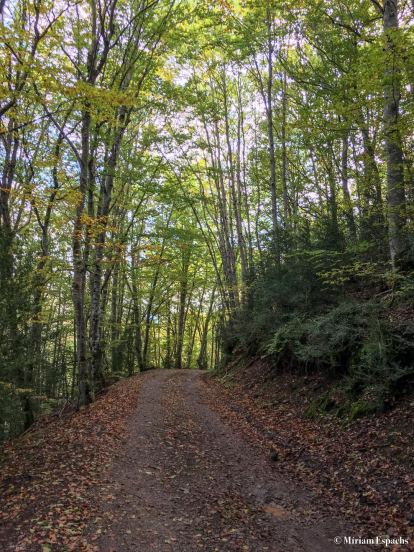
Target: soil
x=361 y=469
x=189 y=481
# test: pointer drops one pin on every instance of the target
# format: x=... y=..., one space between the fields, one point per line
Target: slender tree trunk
x=269 y=114
x=235 y=196
x=349 y=213
x=242 y=159
x=96 y=277
x=225 y=229
x=181 y=312
x=151 y=301
x=333 y=205
x=168 y=356
x=114 y=319
x=137 y=323
x=318 y=186
x=392 y=142
x=194 y=332
x=11 y=146
x=202 y=357
x=372 y=221
x=136 y=315
x=85 y=387
x=284 y=154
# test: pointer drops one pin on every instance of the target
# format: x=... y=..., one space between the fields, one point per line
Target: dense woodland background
x=182 y=180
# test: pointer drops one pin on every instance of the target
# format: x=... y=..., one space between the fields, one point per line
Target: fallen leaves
x=49 y=475
x=276 y=512
x=359 y=471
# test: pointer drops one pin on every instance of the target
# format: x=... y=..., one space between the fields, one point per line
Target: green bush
x=343 y=327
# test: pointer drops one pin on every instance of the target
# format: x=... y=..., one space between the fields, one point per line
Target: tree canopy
x=182 y=178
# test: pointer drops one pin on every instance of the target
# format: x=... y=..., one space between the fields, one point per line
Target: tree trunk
x=284 y=154
x=202 y=357
x=235 y=196
x=182 y=309
x=114 y=318
x=167 y=362
x=349 y=213
x=392 y=142
x=151 y=301
x=85 y=387
x=96 y=277
x=269 y=114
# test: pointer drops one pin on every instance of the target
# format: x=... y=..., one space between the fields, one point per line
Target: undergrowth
x=357 y=328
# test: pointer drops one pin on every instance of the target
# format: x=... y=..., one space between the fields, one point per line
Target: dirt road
x=186 y=481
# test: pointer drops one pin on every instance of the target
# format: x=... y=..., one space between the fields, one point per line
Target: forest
x=183 y=182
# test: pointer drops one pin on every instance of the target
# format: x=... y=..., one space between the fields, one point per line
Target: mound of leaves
x=51 y=475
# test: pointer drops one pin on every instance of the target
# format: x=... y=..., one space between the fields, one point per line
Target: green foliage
x=303 y=323
x=236 y=193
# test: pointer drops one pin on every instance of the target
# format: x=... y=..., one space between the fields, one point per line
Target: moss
x=341 y=411
x=348 y=411
x=362 y=408
x=321 y=406
x=311 y=410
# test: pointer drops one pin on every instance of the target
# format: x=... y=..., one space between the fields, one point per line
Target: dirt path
x=187 y=482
